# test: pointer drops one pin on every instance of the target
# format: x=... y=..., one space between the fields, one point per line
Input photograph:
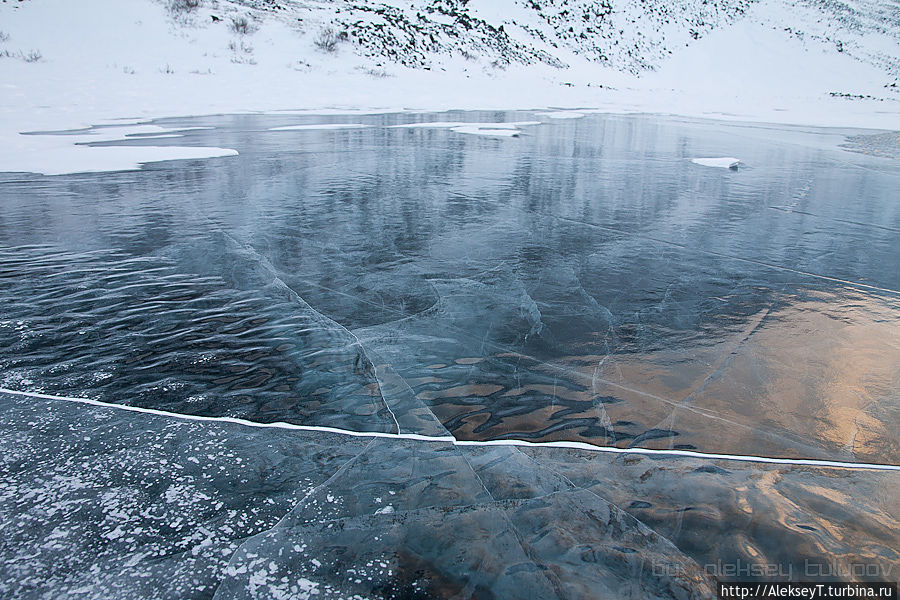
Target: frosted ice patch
x=121 y=133
x=116 y=134
x=316 y=126
x=493 y=132
x=430 y=125
x=468 y=124
x=160 y=136
x=564 y=114
x=509 y=129
x=64 y=152
x=725 y=162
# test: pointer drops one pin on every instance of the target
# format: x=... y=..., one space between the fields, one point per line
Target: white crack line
x=832 y=464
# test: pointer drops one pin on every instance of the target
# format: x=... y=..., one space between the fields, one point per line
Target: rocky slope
x=627 y=35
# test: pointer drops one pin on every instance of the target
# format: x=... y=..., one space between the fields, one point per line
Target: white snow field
x=67 y=65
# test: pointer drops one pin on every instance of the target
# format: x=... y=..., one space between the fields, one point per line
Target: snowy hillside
x=627 y=35
x=65 y=65
x=630 y=35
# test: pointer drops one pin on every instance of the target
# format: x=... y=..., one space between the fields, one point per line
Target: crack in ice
x=847 y=282
x=811 y=462
x=263 y=262
x=727 y=360
x=301 y=502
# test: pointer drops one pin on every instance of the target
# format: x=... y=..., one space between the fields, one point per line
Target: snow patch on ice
x=319 y=126
x=564 y=114
x=65 y=152
x=161 y=136
x=458 y=124
x=493 y=132
x=505 y=129
x=430 y=125
x=724 y=162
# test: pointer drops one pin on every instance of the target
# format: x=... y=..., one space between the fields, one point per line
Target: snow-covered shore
x=123 y=62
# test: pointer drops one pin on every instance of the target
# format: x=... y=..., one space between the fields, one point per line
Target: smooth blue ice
x=583 y=281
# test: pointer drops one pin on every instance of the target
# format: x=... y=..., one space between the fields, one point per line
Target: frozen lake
x=582 y=280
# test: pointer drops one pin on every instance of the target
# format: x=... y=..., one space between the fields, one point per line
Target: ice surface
x=576 y=285
x=105 y=503
x=509 y=306
x=221 y=352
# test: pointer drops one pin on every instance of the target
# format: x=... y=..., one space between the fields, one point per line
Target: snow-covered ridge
x=868 y=30
x=627 y=35
x=468 y=36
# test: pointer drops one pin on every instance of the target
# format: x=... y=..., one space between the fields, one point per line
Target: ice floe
x=505 y=129
x=724 y=162
x=564 y=114
x=319 y=126
x=64 y=152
